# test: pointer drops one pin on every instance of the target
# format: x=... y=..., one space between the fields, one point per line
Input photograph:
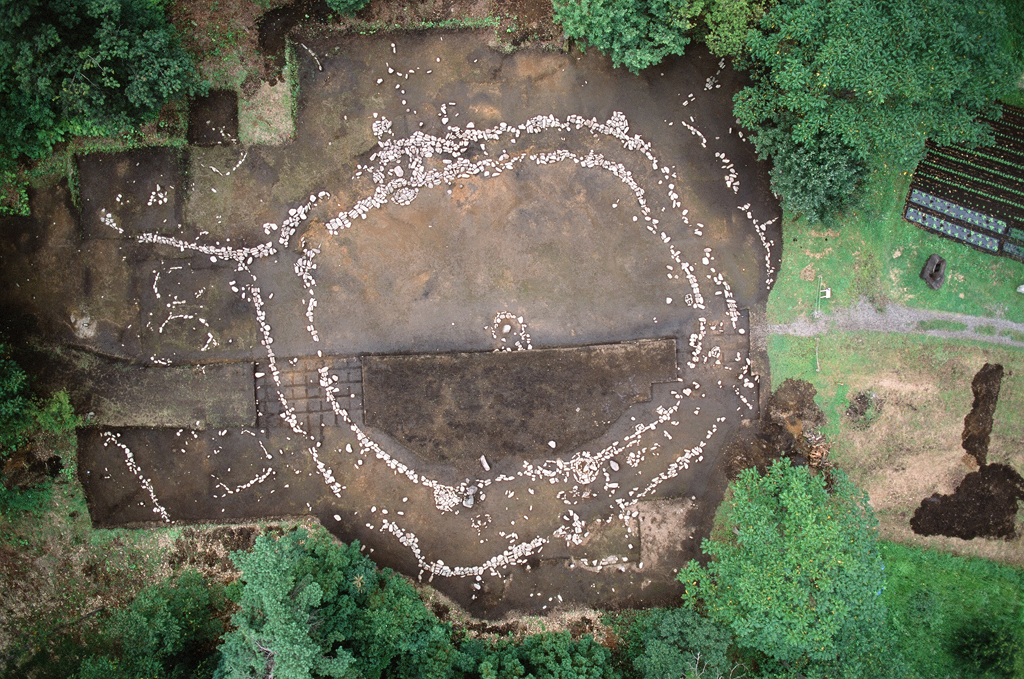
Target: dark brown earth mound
x=786 y=429
x=978 y=423
x=985 y=502
x=984 y=505
x=460 y=406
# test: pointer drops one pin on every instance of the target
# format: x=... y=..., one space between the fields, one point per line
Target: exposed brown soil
x=985 y=502
x=124 y=183
x=213 y=119
x=984 y=505
x=978 y=423
x=447 y=407
x=787 y=428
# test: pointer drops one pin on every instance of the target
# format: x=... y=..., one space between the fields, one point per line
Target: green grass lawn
x=871 y=251
x=955 y=616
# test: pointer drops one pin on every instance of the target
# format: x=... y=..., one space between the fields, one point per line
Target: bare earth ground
x=560 y=232
x=902 y=454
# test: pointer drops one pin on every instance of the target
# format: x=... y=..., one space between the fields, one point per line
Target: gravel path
x=898 y=318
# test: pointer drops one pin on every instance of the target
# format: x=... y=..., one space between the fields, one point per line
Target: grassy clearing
x=912 y=448
x=874 y=253
x=943 y=325
x=955 y=616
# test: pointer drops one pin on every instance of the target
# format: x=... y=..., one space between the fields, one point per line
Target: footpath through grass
x=870 y=251
x=955 y=616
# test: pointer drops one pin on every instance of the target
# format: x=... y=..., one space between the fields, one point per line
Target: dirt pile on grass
x=985 y=503
x=788 y=428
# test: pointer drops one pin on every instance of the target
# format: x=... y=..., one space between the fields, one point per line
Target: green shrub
x=84 y=67
x=17 y=410
x=728 y=22
x=987 y=646
x=815 y=177
x=548 y=655
x=347 y=6
x=798 y=576
x=49 y=428
x=310 y=607
x=170 y=630
x=634 y=33
x=675 y=641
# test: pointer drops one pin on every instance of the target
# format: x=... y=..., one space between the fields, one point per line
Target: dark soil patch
x=213 y=119
x=577 y=628
x=985 y=502
x=787 y=428
x=274 y=26
x=978 y=423
x=864 y=408
x=26 y=234
x=24 y=469
x=503 y=629
x=459 y=406
x=441 y=610
x=130 y=192
x=984 y=505
x=122 y=393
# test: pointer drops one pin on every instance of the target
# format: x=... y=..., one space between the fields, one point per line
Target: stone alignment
x=515 y=512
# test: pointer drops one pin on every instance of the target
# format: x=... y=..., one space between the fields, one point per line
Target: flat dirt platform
x=457 y=407
x=440 y=198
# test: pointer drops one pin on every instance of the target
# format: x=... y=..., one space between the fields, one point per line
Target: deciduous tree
x=634 y=33
x=311 y=607
x=798 y=576
x=856 y=83
x=84 y=67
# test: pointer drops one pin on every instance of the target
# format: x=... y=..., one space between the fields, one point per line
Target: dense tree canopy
x=27 y=422
x=84 y=67
x=17 y=410
x=798 y=576
x=170 y=630
x=680 y=643
x=727 y=22
x=839 y=85
x=313 y=608
x=634 y=33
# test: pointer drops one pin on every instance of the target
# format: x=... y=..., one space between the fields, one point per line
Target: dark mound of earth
x=984 y=505
x=791 y=413
x=978 y=423
x=985 y=502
